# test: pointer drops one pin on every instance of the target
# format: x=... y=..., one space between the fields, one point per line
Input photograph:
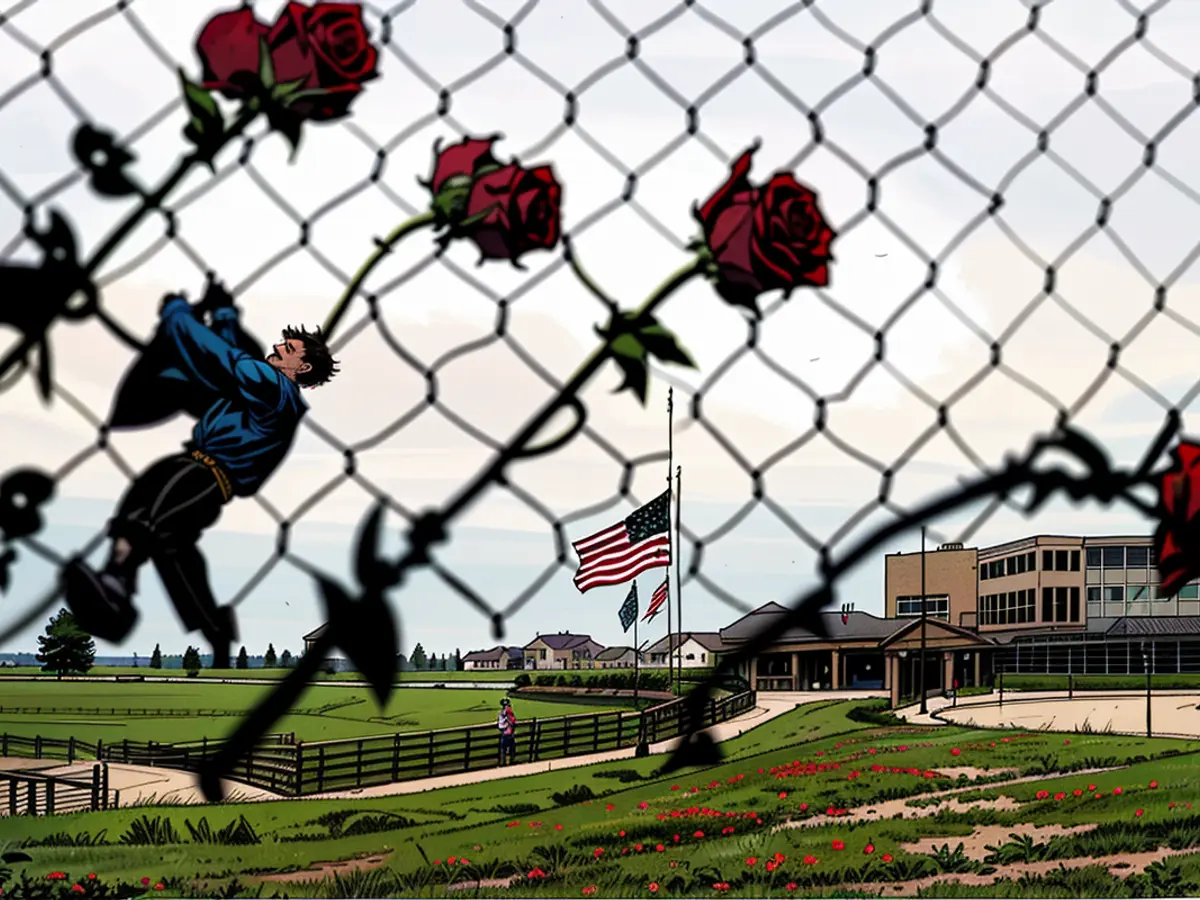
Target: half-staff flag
x=656 y=601
x=625 y=550
x=628 y=610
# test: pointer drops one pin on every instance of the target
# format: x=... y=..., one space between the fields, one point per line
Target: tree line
x=420 y=661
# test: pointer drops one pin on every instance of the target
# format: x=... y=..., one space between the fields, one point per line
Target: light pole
x=1149 y=689
x=924 y=700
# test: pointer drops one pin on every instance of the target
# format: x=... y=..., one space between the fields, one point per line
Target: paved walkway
x=1172 y=713
x=145 y=785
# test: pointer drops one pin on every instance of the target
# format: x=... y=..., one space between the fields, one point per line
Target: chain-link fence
x=954 y=316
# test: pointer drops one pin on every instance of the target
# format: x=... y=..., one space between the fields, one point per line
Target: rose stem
x=384 y=247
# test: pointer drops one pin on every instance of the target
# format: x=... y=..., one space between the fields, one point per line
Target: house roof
x=495 y=654
x=315 y=633
x=709 y=640
x=612 y=653
x=562 y=641
x=910 y=625
x=857 y=626
x=1153 y=626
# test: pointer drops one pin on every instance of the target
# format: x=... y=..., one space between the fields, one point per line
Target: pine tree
x=285 y=659
x=191 y=660
x=156 y=658
x=269 y=660
x=418 y=659
x=243 y=661
x=65 y=648
x=135 y=659
x=457 y=660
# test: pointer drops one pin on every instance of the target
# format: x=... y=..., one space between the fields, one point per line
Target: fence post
x=358 y=767
x=95 y=787
x=13 y=784
x=50 y=797
x=31 y=798
x=125 y=750
x=431 y=752
x=99 y=748
x=71 y=749
x=320 y=768
x=1070 y=687
x=467 y=752
x=712 y=711
x=104 y=779
x=37 y=747
x=4 y=740
x=595 y=732
x=535 y=734
x=300 y=769
x=396 y=757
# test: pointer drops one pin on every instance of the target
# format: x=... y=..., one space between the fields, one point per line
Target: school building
x=1047 y=604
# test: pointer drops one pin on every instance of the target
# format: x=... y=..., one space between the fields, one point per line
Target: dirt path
x=321 y=870
x=1119 y=866
x=975 y=845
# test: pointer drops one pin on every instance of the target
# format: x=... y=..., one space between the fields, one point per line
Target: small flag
x=625 y=550
x=656 y=601
x=629 y=609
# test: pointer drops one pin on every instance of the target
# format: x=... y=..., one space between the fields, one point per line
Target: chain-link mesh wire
x=808 y=110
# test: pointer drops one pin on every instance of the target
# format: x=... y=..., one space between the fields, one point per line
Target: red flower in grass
x=590 y=889
x=1154 y=784
x=91 y=876
x=955 y=752
x=61 y=876
x=535 y=873
x=160 y=886
x=643 y=805
x=721 y=886
x=811 y=860
x=887 y=857
x=463 y=861
x=1171 y=805
x=674 y=787
x=598 y=852
x=783 y=795
x=1117 y=791
x=803 y=807
x=1077 y=792
x=1060 y=796
x=659 y=848
x=1091 y=787
x=1138 y=813
x=558 y=828
x=513 y=824
x=451 y=860
x=436 y=862
x=621 y=833
x=609 y=808
x=652 y=887
x=838 y=845
x=790 y=886
x=869 y=849
x=77 y=888
x=1097 y=795
x=698 y=834
x=752 y=860
x=637 y=848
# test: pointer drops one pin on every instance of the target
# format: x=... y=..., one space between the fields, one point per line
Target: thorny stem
x=570 y=391
x=385 y=246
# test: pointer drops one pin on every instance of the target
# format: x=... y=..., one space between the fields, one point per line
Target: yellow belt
x=222 y=479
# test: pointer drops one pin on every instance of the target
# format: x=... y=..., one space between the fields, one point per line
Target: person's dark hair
x=316 y=354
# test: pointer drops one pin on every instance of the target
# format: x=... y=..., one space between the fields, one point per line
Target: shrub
x=522 y=680
x=576 y=793
x=148 y=831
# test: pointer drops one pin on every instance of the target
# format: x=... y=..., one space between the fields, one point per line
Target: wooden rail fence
x=36 y=793
x=286 y=766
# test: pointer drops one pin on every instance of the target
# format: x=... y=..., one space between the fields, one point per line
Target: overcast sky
x=931 y=205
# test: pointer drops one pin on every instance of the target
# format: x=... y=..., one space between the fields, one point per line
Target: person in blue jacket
x=240 y=440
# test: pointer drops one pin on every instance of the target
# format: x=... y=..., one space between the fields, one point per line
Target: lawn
x=795 y=793
x=274 y=674
x=191 y=709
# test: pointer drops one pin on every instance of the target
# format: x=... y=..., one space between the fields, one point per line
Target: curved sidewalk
x=145 y=784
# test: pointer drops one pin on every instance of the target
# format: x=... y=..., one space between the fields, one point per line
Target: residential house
x=313 y=636
x=617 y=658
x=561 y=651
x=496 y=658
x=690 y=650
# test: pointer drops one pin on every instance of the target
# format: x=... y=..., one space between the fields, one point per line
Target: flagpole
x=678 y=579
x=636 y=668
x=673 y=549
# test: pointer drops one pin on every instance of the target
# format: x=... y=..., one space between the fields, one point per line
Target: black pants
x=162 y=516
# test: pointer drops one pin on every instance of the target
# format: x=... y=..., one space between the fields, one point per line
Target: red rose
x=229 y=47
x=764 y=238
x=1177 y=540
x=506 y=210
x=325 y=46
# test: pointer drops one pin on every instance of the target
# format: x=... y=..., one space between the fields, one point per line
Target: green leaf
x=628 y=346
x=289 y=91
x=266 y=66
x=663 y=344
x=636 y=376
x=200 y=101
x=205 y=129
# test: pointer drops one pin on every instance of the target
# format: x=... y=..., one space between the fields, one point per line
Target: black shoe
x=100 y=602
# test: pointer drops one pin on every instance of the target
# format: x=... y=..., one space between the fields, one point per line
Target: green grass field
x=613 y=827
x=191 y=709
x=274 y=674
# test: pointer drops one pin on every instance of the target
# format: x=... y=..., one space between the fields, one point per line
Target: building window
x=1047 y=604
x=937 y=607
x=1137 y=557
x=1114 y=593
x=1048 y=560
x=1075 y=601
x=1189 y=592
x=1074 y=560
x=1061 y=560
x=1135 y=593
x=1093 y=595
x=1061 y=604
x=1031 y=561
x=1113 y=557
x=1093 y=557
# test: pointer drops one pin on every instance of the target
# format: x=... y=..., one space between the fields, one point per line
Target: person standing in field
x=506 y=722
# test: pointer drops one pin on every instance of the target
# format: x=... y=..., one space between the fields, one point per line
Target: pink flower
x=1138 y=813
x=652 y=887
x=1154 y=784
x=1117 y=791
x=955 y=752
x=145 y=881
x=643 y=805
x=698 y=834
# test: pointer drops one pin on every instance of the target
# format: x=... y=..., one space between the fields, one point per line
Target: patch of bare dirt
x=483 y=883
x=321 y=870
x=975 y=844
x=1119 y=866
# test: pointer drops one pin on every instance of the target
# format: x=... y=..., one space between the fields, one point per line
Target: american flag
x=625 y=550
x=656 y=601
